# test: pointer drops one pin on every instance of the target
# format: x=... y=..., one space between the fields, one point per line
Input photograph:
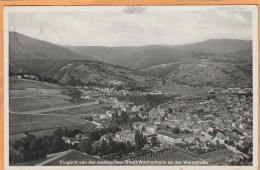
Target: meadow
x=173 y=156
x=216 y=156
x=30 y=104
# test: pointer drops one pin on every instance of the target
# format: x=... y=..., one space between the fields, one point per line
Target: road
x=56 y=156
x=233 y=149
x=35 y=112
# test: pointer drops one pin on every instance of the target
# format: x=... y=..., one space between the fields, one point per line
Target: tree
x=112 y=147
x=85 y=146
x=142 y=140
x=103 y=146
x=96 y=147
x=25 y=143
x=145 y=140
x=121 y=147
x=15 y=156
x=75 y=132
x=154 y=141
x=163 y=82
x=115 y=129
x=58 y=145
x=58 y=133
x=36 y=150
x=46 y=144
x=176 y=130
x=129 y=146
x=66 y=132
x=139 y=140
x=94 y=136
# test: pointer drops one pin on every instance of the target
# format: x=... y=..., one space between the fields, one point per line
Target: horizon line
x=134 y=45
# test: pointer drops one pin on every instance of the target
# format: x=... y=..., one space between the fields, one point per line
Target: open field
x=26 y=104
x=37 y=126
x=27 y=95
x=40 y=108
x=20 y=123
x=22 y=84
x=94 y=109
x=216 y=156
x=19 y=118
x=22 y=93
x=59 y=100
x=174 y=156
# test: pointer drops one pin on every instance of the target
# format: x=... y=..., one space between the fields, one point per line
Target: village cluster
x=193 y=125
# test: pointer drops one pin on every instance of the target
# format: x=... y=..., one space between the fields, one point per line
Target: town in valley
x=186 y=103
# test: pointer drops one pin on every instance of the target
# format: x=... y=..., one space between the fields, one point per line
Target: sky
x=132 y=26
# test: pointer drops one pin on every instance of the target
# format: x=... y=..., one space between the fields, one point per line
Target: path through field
x=35 y=112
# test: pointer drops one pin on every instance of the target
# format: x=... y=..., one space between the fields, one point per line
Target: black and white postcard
x=142 y=86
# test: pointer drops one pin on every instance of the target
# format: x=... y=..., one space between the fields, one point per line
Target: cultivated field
x=216 y=156
x=174 y=156
x=40 y=108
x=88 y=109
x=26 y=104
x=27 y=95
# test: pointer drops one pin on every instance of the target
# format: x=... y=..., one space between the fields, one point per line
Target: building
x=166 y=136
x=126 y=136
x=151 y=128
x=106 y=137
x=195 y=128
x=66 y=140
x=208 y=117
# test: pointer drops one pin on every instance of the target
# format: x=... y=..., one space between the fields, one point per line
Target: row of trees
x=124 y=118
x=39 y=78
x=93 y=146
x=104 y=148
x=31 y=148
x=153 y=100
x=244 y=149
x=87 y=145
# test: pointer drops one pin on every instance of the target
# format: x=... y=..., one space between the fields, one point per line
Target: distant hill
x=138 y=58
x=37 y=56
x=112 y=55
x=67 y=67
x=222 y=62
x=218 y=46
x=159 y=55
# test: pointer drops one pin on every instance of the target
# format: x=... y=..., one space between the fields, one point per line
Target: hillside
x=218 y=46
x=143 y=57
x=37 y=56
x=161 y=55
x=214 y=74
x=221 y=62
x=95 y=73
x=112 y=55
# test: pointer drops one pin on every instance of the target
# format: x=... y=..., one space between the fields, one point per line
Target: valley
x=154 y=102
